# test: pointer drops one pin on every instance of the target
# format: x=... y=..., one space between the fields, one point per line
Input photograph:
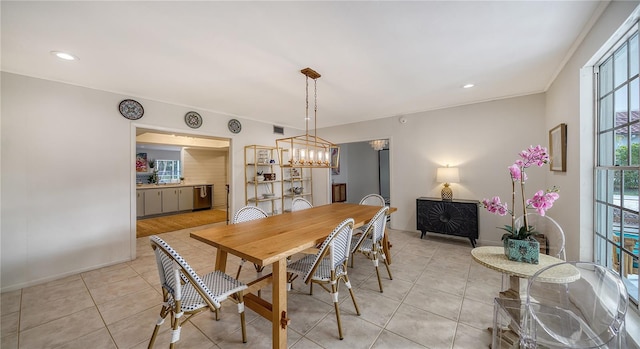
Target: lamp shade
x=447 y=175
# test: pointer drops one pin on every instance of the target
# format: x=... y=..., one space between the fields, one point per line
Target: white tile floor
x=438 y=298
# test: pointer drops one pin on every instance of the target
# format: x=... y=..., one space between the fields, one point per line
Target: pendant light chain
x=308 y=151
x=315 y=110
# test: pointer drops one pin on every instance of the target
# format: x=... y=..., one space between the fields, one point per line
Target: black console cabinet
x=456 y=217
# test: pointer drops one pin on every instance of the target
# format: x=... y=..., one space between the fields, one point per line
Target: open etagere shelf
x=296 y=177
x=260 y=190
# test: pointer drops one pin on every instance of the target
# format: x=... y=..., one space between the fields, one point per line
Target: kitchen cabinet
x=157 y=201
x=339 y=192
x=185 y=198
x=152 y=201
x=169 y=200
x=139 y=203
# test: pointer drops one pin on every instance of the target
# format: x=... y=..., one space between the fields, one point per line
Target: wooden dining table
x=270 y=241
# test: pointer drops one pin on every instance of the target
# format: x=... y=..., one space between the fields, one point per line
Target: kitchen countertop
x=168 y=185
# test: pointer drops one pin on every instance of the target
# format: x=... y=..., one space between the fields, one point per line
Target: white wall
x=68 y=176
x=563 y=105
x=481 y=139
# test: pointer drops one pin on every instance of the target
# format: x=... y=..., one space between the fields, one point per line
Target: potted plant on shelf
x=153 y=179
x=519 y=242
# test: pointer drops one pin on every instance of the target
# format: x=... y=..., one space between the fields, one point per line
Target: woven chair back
x=336 y=245
x=249 y=213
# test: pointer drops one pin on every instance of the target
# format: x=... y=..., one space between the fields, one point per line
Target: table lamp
x=447 y=175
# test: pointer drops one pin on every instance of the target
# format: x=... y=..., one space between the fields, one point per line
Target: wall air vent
x=278 y=129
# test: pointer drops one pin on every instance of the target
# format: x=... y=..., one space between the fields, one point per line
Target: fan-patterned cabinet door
x=456 y=217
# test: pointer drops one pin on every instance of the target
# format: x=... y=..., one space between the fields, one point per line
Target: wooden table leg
x=279 y=316
x=221 y=260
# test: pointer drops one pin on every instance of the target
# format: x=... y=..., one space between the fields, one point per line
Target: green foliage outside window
x=622 y=158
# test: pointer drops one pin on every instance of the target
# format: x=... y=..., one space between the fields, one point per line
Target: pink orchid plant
x=541 y=200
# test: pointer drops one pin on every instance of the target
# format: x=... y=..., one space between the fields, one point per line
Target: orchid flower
x=541 y=201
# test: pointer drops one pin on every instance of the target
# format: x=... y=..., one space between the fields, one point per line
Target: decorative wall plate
x=131 y=109
x=193 y=119
x=234 y=126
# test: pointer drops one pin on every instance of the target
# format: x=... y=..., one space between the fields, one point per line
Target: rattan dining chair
x=186 y=293
x=298 y=204
x=329 y=266
x=245 y=214
x=369 y=243
x=373 y=200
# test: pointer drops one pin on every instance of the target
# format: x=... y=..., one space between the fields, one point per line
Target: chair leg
x=347 y=283
x=375 y=264
x=385 y=260
x=175 y=330
x=334 y=294
x=163 y=314
x=239 y=268
x=242 y=318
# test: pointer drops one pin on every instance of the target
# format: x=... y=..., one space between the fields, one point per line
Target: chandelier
x=308 y=150
x=378 y=144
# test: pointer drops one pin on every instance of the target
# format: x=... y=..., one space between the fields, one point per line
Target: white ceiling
x=377 y=59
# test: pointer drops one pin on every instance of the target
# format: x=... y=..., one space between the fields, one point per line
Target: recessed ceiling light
x=468 y=86
x=64 y=55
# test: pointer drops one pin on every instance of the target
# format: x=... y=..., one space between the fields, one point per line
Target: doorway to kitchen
x=181 y=180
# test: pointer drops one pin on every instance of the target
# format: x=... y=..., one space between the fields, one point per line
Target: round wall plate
x=193 y=119
x=234 y=126
x=131 y=109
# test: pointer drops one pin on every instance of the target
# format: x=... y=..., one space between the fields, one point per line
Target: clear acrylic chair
x=329 y=266
x=298 y=204
x=588 y=312
x=568 y=305
x=186 y=293
x=245 y=214
x=550 y=228
x=369 y=243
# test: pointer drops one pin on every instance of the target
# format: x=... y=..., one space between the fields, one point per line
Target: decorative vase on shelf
x=527 y=251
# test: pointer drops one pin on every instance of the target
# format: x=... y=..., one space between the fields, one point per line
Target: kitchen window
x=168 y=171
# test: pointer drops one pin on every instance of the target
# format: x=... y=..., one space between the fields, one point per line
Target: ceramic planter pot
x=527 y=251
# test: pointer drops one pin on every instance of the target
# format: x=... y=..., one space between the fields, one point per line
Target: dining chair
x=369 y=243
x=329 y=266
x=186 y=293
x=298 y=204
x=245 y=214
x=586 y=309
x=373 y=200
x=552 y=232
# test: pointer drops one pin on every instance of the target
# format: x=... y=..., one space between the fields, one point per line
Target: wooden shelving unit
x=263 y=159
x=296 y=177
